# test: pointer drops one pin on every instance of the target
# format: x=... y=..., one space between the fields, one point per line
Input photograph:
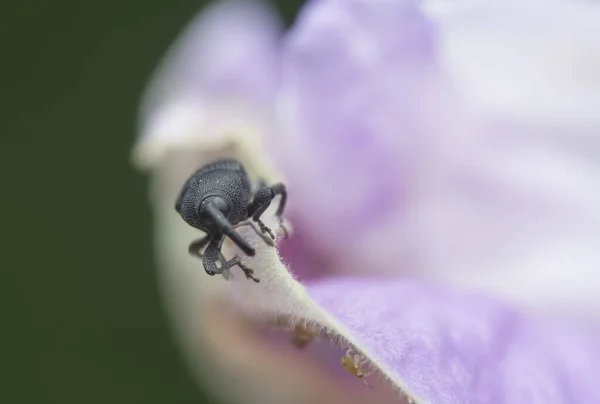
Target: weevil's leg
x=279 y=189
x=267 y=240
x=211 y=255
x=286 y=231
x=262 y=201
x=224 y=271
x=247 y=271
x=198 y=245
x=271 y=192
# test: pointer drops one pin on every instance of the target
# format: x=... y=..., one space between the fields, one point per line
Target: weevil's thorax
x=224 y=178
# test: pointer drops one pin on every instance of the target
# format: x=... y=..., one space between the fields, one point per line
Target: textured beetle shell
x=227 y=178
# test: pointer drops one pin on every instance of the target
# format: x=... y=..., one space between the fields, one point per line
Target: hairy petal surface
x=434 y=344
x=445 y=347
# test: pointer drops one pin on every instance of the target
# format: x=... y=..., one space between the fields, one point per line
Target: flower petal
x=435 y=344
x=217 y=80
x=211 y=97
x=448 y=183
x=355 y=77
x=535 y=59
x=446 y=347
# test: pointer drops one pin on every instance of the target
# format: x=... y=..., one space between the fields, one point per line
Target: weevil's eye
x=222 y=205
x=218 y=202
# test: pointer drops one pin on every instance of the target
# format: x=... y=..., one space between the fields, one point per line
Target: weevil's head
x=211 y=215
x=209 y=208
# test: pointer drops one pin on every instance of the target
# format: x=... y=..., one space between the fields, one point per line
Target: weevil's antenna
x=223 y=224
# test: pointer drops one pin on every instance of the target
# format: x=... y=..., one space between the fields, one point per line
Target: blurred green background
x=82 y=321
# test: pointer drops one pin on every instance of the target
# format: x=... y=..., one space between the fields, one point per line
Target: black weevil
x=218 y=198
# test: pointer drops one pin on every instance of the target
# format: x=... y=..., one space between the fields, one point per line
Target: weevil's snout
x=251 y=252
x=213 y=212
x=241 y=243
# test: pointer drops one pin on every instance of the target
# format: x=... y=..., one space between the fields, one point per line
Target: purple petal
x=355 y=79
x=385 y=164
x=305 y=260
x=446 y=347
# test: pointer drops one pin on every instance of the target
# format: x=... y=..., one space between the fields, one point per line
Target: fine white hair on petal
x=279 y=293
x=185 y=287
x=203 y=93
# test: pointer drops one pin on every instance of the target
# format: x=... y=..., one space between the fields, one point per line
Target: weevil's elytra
x=216 y=199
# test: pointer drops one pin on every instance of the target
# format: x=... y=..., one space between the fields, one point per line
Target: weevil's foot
x=269 y=241
x=267 y=235
x=284 y=228
x=265 y=229
x=261 y=234
x=237 y=261
x=213 y=273
x=249 y=275
x=249 y=272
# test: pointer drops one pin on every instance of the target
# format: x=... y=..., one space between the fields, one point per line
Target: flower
x=442 y=164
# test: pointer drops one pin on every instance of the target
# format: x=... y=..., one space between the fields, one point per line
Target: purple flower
x=442 y=164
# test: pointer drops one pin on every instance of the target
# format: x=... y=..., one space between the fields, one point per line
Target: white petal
x=218 y=79
x=535 y=59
